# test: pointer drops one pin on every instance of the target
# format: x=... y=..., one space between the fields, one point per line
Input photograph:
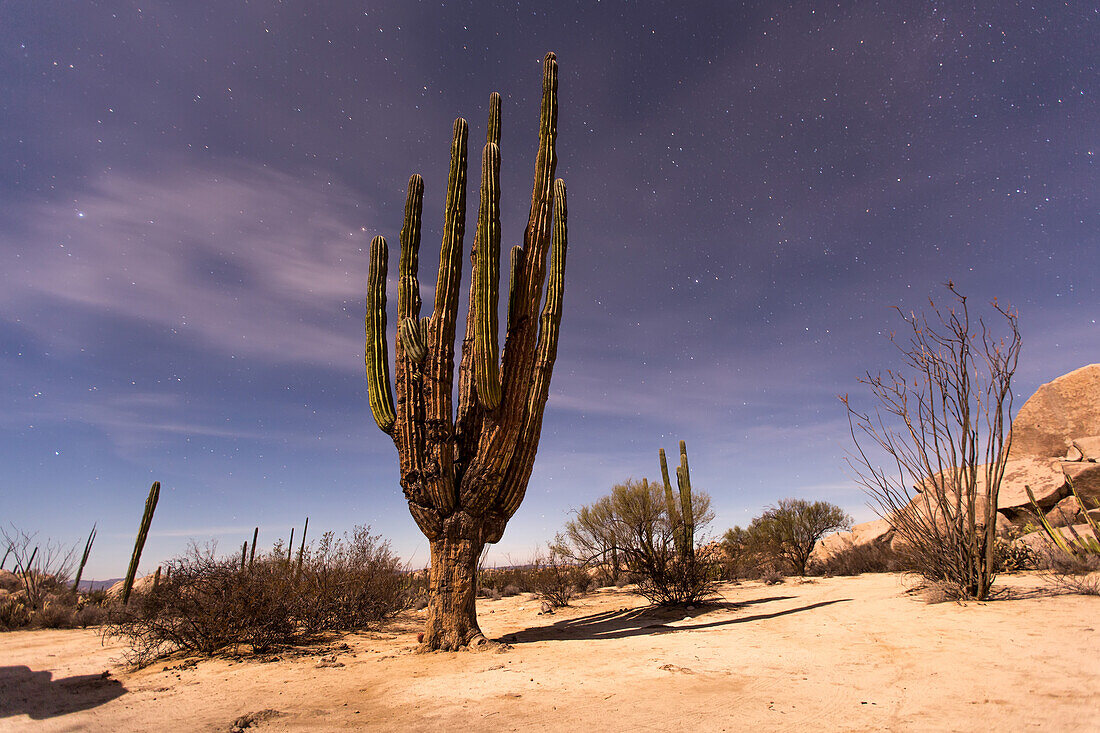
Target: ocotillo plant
x=464 y=474
x=682 y=518
x=84 y=558
x=139 y=542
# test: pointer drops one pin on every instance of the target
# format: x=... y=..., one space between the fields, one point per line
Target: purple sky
x=188 y=189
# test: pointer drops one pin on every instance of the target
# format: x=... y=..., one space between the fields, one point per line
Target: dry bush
x=205 y=603
x=943 y=429
x=557 y=581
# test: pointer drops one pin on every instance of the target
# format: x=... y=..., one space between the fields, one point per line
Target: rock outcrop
x=1059 y=412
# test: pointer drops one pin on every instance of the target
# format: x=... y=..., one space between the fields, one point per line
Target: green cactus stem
x=139 y=542
x=84 y=558
x=682 y=517
x=302 y=548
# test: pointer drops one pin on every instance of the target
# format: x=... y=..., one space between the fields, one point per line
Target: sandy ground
x=852 y=654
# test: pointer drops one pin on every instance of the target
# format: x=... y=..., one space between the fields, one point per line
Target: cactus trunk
x=252 y=554
x=452 y=586
x=464 y=472
x=139 y=542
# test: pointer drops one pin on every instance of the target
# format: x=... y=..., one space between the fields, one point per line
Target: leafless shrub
x=945 y=428
x=41 y=565
x=206 y=604
x=771 y=575
x=557 y=581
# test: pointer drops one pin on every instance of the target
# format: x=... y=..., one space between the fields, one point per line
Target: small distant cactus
x=681 y=518
x=139 y=543
x=84 y=558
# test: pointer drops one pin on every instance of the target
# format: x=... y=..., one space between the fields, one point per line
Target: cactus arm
x=412 y=340
x=486 y=281
x=252 y=555
x=545 y=355
x=409 y=429
x=139 y=542
x=670 y=503
x=441 y=338
x=683 y=480
x=408 y=288
x=499 y=437
x=377 y=354
x=470 y=412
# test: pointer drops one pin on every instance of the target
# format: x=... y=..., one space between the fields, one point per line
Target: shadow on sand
x=24 y=691
x=625 y=623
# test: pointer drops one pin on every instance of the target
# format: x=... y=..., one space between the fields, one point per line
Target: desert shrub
x=511 y=590
x=205 y=603
x=556 y=581
x=631 y=527
x=42 y=566
x=785 y=534
x=14 y=613
x=859 y=559
x=1012 y=556
x=771 y=575
x=943 y=429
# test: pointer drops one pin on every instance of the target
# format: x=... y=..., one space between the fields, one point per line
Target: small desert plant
x=556 y=581
x=1071 y=561
x=771 y=575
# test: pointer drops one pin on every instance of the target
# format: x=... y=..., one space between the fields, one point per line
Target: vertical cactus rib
x=377 y=356
x=486 y=280
x=139 y=543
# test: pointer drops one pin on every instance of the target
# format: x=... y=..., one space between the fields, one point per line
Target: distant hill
x=90 y=585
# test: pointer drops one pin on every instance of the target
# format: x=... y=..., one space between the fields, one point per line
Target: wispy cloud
x=240 y=258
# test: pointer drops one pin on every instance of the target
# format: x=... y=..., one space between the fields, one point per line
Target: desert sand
x=851 y=654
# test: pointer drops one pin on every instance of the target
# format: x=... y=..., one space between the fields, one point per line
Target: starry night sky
x=188 y=189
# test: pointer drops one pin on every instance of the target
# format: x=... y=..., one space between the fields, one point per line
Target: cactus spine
x=139 y=542
x=464 y=472
x=682 y=518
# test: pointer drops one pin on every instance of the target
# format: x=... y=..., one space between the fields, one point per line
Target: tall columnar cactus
x=139 y=542
x=252 y=553
x=84 y=558
x=682 y=517
x=464 y=472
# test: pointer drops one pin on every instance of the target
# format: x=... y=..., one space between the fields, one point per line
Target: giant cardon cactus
x=464 y=472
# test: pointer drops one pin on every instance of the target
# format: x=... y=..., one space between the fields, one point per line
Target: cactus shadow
x=38 y=696
x=651 y=620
